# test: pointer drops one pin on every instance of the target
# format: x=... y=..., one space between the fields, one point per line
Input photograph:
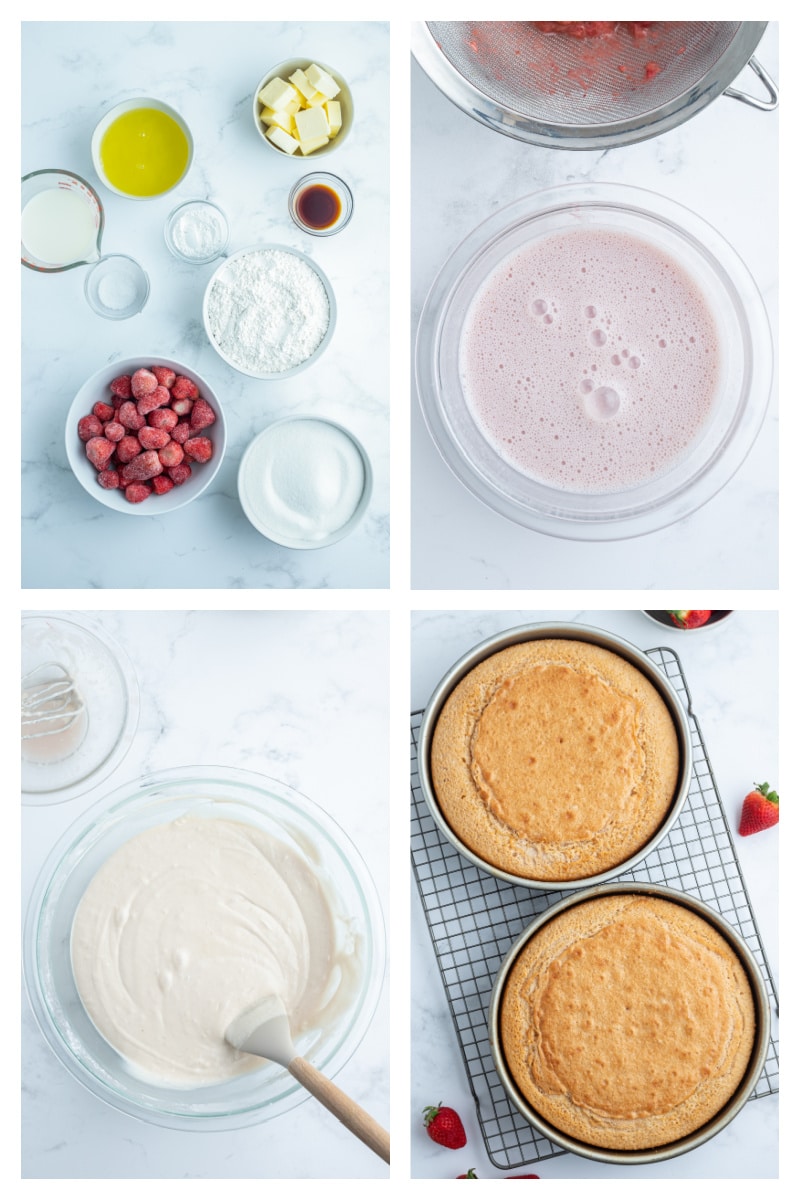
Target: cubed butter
x=277 y=94
x=282 y=119
x=322 y=81
x=283 y=140
x=311 y=123
x=315 y=144
x=334 y=110
x=300 y=81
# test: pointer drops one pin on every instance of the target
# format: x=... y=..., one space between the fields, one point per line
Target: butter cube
x=322 y=81
x=315 y=144
x=311 y=123
x=283 y=140
x=282 y=119
x=300 y=81
x=334 y=110
x=277 y=94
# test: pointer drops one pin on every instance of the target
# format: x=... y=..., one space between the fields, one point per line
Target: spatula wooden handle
x=352 y=1116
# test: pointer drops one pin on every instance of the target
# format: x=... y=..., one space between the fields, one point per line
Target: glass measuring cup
x=79 y=249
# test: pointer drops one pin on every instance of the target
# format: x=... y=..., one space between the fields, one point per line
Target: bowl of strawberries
x=145 y=435
x=688 y=619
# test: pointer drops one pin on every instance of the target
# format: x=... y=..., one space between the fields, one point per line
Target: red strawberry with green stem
x=759 y=810
x=444 y=1126
x=689 y=618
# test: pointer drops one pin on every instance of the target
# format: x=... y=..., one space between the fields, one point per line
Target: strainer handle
x=754 y=101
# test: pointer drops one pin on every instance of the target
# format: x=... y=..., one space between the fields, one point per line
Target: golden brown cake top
x=554 y=759
x=627 y=1021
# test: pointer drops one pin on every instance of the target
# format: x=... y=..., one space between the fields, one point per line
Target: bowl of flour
x=269 y=311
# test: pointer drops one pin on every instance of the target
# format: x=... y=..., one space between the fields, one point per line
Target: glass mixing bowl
x=745 y=367
x=203 y=791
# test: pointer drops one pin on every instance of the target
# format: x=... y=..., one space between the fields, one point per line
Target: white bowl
x=96 y=388
x=284 y=70
x=128 y=106
x=223 y=267
x=300 y=543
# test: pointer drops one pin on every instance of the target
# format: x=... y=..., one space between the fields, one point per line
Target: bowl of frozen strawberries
x=145 y=435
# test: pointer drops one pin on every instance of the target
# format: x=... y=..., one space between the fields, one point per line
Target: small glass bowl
x=105 y=681
x=117 y=287
x=332 y=183
x=178 y=225
x=206 y=791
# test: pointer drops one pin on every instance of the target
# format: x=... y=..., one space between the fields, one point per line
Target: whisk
x=51 y=703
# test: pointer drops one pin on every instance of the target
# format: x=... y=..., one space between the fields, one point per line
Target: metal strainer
x=552 y=89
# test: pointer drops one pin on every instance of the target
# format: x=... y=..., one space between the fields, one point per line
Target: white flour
x=268 y=311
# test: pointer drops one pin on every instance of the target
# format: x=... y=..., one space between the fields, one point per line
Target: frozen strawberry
x=184 y=389
x=143 y=382
x=163 y=418
x=153 y=439
x=89 y=427
x=164 y=375
x=171 y=454
x=103 y=412
x=128 y=449
x=108 y=479
x=130 y=417
x=153 y=400
x=99 y=451
x=162 y=484
x=114 y=431
x=199 y=449
x=121 y=387
x=137 y=492
x=202 y=415
x=182 y=407
x=144 y=466
x=181 y=432
x=179 y=474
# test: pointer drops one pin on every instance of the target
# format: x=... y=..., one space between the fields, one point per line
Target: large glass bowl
x=745 y=376
x=204 y=791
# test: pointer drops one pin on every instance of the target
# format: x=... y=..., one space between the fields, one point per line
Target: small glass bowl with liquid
x=321 y=204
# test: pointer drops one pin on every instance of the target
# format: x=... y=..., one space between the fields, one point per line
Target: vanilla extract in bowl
x=321 y=204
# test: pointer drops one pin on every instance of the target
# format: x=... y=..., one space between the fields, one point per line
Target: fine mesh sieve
x=618 y=87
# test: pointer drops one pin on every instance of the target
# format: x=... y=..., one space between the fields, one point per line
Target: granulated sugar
x=268 y=311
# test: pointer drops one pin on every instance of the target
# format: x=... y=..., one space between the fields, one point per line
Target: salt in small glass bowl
x=117 y=287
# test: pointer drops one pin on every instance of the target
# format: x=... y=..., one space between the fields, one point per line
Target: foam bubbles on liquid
x=629 y=415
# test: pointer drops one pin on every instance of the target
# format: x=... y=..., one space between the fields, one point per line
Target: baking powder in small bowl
x=269 y=311
x=305 y=482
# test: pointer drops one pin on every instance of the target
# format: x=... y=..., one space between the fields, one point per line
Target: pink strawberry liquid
x=590 y=360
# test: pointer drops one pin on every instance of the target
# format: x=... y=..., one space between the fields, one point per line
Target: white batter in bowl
x=321 y=895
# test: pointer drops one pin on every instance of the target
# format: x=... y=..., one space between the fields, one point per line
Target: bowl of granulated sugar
x=269 y=311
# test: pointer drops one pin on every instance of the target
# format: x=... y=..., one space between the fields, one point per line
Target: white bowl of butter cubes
x=303 y=108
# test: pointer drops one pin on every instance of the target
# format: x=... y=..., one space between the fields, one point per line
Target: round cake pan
x=729 y=1110
x=581 y=633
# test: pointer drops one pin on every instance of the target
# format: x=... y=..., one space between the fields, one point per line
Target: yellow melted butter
x=144 y=152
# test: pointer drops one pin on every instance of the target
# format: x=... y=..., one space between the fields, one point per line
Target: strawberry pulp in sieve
x=590 y=360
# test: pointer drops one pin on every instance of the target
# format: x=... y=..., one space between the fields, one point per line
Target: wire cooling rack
x=473 y=919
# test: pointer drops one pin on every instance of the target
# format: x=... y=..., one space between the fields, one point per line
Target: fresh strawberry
x=759 y=810
x=689 y=618
x=444 y=1126
x=469 y=1175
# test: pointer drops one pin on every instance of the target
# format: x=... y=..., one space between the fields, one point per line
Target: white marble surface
x=71 y=74
x=300 y=697
x=725 y=669
x=723 y=164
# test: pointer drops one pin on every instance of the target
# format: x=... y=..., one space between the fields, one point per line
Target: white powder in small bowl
x=301 y=482
x=267 y=311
